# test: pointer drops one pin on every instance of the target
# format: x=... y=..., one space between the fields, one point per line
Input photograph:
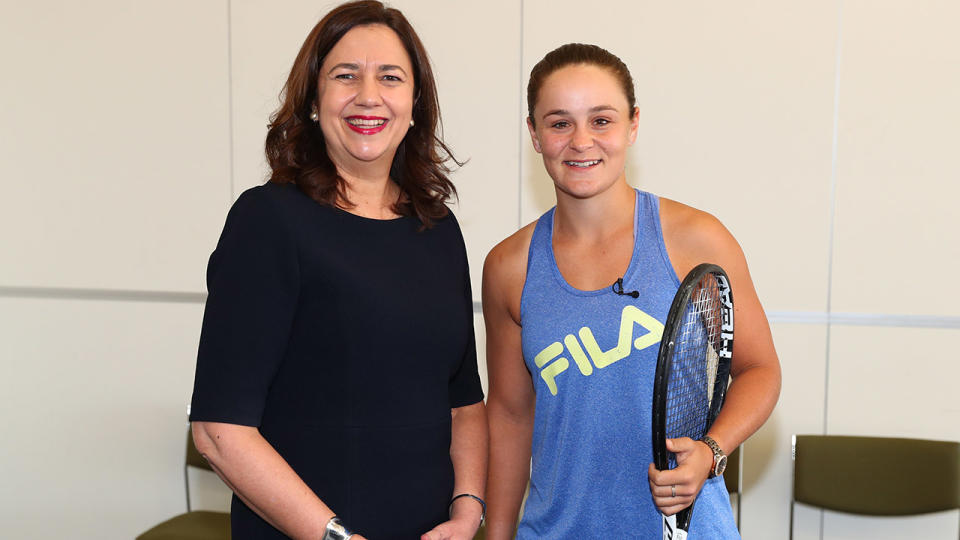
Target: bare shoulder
x=693 y=236
x=505 y=270
x=509 y=257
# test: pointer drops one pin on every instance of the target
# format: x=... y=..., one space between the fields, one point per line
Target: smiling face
x=365 y=96
x=583 y=127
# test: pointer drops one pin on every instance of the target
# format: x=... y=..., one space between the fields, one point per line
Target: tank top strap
x=649 y=250
x=540 y=261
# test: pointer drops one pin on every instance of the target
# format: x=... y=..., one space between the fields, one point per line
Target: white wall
x=821 y=132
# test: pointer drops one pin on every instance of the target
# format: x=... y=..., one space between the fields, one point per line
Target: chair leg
x=186 y=485
x=740 y=488
x=791 y=519
x=739 y=506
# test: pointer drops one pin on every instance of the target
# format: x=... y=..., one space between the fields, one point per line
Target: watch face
x=720 y=466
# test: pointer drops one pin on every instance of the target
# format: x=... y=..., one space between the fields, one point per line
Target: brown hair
x=573 y=54
x=295 y=146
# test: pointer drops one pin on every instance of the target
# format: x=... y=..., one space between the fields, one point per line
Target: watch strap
x=718 y=455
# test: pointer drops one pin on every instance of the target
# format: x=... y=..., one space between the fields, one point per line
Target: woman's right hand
x=260 y=477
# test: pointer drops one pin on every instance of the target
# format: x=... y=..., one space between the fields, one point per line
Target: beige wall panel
x=481 y=332
x=892 y=382
x=897 y=169
x=767 y=467
x=115 y=142
x=95 y=395
x=477 y=87
x=806 y=524
x=897 y=382
x=265 y=38
x=736 y=112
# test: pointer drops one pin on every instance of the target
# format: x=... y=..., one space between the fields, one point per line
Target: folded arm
x=262 y=479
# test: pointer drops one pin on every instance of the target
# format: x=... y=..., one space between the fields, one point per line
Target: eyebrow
x=344 y=65
x=391 y=67
x=356 y=67
x=598 y=108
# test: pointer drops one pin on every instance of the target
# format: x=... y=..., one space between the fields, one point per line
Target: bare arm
x=693 y=237
x=262 y=479
x=468 y=451
x=756 y=369
x=510 y=404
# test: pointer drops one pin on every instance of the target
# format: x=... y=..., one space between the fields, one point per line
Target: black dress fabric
x=346 y=341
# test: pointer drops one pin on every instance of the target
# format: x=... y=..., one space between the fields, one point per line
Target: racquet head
x=693 y=365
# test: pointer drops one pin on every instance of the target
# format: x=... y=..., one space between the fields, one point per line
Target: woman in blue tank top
x=563 y=393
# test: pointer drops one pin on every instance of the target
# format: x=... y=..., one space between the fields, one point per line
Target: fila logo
x=552 y=364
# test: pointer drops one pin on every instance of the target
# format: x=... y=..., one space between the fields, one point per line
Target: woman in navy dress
x=336 y=389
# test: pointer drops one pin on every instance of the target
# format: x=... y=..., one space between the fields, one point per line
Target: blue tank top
x=592 y=356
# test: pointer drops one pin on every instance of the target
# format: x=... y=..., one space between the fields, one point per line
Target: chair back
x=192 y=524
x=731 y=476
x=194 y=458
x=876 y=475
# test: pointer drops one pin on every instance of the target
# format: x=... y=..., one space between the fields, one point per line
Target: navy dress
x=346 y=341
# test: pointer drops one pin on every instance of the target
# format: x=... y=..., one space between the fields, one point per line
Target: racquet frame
x=675 y=527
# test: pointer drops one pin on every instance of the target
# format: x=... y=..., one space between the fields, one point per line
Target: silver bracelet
x=335 y=530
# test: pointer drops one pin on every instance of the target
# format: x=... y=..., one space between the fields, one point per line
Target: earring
x=314 y=116
x=411 y=122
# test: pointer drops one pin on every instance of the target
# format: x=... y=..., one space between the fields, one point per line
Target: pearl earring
x=411 y=122
x=314 y=116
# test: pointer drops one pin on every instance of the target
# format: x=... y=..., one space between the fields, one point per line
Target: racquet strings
x=693 y=364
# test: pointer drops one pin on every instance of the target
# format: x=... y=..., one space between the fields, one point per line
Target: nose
x=582 y=139
x=368 y=94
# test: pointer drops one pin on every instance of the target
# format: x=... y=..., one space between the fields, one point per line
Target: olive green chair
x=875 y=476
x=733 y=478
x=195 y=524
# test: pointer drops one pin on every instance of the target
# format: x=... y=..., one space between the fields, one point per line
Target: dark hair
x=295 y=146
x=573 y=54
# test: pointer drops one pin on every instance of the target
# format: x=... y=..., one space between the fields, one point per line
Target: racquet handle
x=670 y=530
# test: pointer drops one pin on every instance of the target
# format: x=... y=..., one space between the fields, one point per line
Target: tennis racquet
x=693 y=367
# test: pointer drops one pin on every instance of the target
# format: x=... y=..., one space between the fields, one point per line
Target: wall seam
x=834 y=158
x=230 y=137
x=109 y=295
x=520 y=130
x=888 y=320
x=833 y=202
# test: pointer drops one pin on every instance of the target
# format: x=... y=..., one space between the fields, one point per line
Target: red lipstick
x=366 y=125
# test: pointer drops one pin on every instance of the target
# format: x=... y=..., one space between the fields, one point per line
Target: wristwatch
x=719 y=458
x=336 y=531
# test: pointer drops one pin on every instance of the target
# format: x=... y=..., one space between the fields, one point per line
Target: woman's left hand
x=455 y=529
x=675 y=489
x=464 y=521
